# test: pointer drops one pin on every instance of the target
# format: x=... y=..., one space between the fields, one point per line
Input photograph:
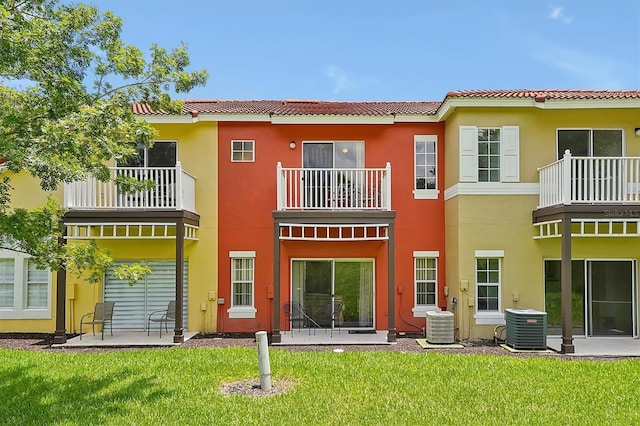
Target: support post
x=178 y=336
x=566 y=347
x=566 y=177
x=178 y=195
x=391 y=335
x=279 y=187
x=276 y=337
x=60 y=335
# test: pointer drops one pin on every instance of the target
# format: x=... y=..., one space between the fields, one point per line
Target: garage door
x=133 y=304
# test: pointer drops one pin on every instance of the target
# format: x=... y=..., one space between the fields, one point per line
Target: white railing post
x=178 y=195
x=566 y=177
x=279 y=195
x=387 y=188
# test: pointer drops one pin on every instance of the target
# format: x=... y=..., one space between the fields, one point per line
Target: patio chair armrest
x=163 y=312
x=85 y=315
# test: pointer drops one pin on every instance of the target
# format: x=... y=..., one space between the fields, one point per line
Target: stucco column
x=178 y=337
x=391 y=335
x=566 y=347
x=276 y=337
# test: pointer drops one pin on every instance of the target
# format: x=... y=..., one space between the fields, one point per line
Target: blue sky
x=391 y=50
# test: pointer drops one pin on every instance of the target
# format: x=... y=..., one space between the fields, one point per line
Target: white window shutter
x=510 y=154
x=468 y=154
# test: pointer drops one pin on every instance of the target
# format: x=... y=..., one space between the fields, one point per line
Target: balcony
x=334 y=189
x=590 y=180
x=172 y=189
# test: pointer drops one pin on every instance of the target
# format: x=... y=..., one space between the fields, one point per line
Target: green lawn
x=181 y=386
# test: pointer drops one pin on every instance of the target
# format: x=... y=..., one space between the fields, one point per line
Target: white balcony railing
x=334 y=189
x=172 y=189
x=590 y=180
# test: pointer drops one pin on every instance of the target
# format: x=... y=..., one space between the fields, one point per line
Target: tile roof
x=298 y=108
x=546 y=94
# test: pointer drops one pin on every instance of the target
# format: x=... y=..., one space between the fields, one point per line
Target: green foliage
x=67 y=82
x=181 y=386
x=132 y=273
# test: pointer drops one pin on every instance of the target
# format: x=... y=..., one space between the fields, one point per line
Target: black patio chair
x=102 y=315
x=296 y=313
x=333 y=311
x=163 y=316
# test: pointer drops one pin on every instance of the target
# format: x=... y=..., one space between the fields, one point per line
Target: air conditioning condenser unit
x=440 y=327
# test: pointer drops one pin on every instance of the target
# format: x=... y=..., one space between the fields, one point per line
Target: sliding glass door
x=610 y=293
x=602 y=297
x=317 y=284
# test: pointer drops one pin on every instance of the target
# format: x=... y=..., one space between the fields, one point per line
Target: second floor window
x=243 y=151
x=425 y=162
x=488 y=155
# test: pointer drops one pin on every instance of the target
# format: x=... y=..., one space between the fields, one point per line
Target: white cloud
x=341 y=81
x=557 y=14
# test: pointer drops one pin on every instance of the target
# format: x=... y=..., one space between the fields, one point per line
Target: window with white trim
x=425 y=166
x=489 y=154
x=242 y=284
x=242 y=151
x=488 y=284
x=24 y=287
x=425 y=282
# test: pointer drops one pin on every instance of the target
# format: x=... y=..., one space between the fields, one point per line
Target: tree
x=67 y=83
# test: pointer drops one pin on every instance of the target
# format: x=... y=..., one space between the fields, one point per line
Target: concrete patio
x=124 y=339
x=600 y=346
x=324 y=336
x=584 y=347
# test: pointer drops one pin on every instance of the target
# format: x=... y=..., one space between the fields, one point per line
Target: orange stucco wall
x=247 y=198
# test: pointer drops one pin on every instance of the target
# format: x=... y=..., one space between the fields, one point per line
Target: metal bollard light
x=263 y=360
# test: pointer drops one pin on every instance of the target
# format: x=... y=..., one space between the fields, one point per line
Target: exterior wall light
x=292 y=144
x=637 y=131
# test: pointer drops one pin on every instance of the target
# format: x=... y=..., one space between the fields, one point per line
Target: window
x=7 y=282
x=24 y=288
x=37 y=286
x=242 y=284
x=590 y=142
x=488 y=283
x=160 y=154
x=242 y=151
x=425 y=279
x=425 y=166
x=489 y=154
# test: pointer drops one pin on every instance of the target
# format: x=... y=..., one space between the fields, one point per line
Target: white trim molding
x=489 y=253
x=489 y=318
x=242 y=312
x=426 y=253
x=242 y=254
x=491 y=188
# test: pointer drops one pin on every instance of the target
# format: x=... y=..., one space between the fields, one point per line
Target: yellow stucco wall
x=197 y=152
x=504 y=222
x=537 y=133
